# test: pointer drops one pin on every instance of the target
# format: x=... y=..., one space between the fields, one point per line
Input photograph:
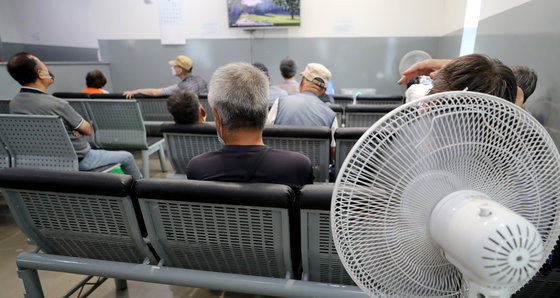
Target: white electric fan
x=455 y=194
x=411 y=58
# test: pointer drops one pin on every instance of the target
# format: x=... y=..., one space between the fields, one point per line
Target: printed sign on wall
x=171 y=23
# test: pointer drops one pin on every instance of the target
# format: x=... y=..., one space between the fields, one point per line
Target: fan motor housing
x=490 y=244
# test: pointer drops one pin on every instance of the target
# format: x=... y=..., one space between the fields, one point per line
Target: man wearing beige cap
x=181 y=67
x=305 y=108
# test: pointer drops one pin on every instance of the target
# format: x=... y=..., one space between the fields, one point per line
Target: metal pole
x=30 y=283
x=186 y=277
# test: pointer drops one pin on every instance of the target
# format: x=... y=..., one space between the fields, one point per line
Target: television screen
x=263 y=13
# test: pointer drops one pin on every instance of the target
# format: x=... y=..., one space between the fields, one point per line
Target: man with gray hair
x=238 y=96
x=306 y=108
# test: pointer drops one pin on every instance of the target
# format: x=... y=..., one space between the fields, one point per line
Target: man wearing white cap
x=181 y=67
x=305 y=108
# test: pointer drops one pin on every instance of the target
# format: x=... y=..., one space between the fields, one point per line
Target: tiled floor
x=13 y=242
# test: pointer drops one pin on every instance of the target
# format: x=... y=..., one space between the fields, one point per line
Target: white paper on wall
x=171 y=23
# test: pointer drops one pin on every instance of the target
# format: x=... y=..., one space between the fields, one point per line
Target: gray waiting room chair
x=203 y=98
x=4 y=106
x=312 y=141
x=154 y=108
x=380 y=99
x=365 y=115
x=345 y=139
x=5 y=160
x=339 y=110
x=154 y=112
x=320 y=260
x=119 y=125
x=185 y=141
x=75 y=214
x=219 y=226
x=343 y=100
x=80 y=106
x=37 y=142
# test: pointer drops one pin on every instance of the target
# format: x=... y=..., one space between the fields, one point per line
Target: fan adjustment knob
x=484 y=212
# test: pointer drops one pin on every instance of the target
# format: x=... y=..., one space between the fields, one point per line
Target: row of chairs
x=364 y=113
x=187 y=141
x=117 y=125
x=259 y=235
x=361 y=115
x=345 y=100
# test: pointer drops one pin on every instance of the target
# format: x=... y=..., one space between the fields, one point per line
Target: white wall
x=41 y=22
x=494 y=7
x=320 y=18
x=79 y=23
x=454 y=16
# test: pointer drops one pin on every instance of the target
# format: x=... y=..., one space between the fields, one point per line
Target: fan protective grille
x=415 y=156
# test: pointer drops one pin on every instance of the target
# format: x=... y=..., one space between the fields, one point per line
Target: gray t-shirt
x=35 y=102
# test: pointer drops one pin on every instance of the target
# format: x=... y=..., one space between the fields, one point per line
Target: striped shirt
x=194 y=83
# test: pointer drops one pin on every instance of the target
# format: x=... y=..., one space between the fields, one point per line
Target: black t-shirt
x=232 y=162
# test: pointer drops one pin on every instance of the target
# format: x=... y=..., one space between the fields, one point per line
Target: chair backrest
x=365 y=115
x=118 y=124
x=320 y=260
x=343 y=100
x=345 y=139
x=219 y=226
x=5 y=160
x=38 y=142
x=380 y=99
x=203 y=98
x=154 y=108
x=71 y=95
x=4 y=106
x=339 y=110
x=187 y=141
x=80 y=106
x=312 y=141
x=107 y=96
x=83 y=214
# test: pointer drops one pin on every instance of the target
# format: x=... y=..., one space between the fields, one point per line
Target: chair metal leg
x=145 y=164
x=120 y=284
x=162 y=159
x=30 y=283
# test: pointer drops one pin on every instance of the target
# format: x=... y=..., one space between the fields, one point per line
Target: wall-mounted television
x=263 y=13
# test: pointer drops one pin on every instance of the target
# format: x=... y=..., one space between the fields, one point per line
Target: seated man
x=238 y=96
x=526 y=80
x=288 y=69
x=185 y=107
x=475 y=72
x=274 y=92
x=181 y=67
x=306 y=108
x=35 y=78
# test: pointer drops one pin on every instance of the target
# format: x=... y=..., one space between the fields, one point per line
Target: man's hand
x=76 y=133
x=427 y=67
x=130 y=94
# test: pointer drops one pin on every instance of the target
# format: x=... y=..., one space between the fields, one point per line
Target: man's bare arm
x=427 y=67
x=146 y=91
x=85 y=128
